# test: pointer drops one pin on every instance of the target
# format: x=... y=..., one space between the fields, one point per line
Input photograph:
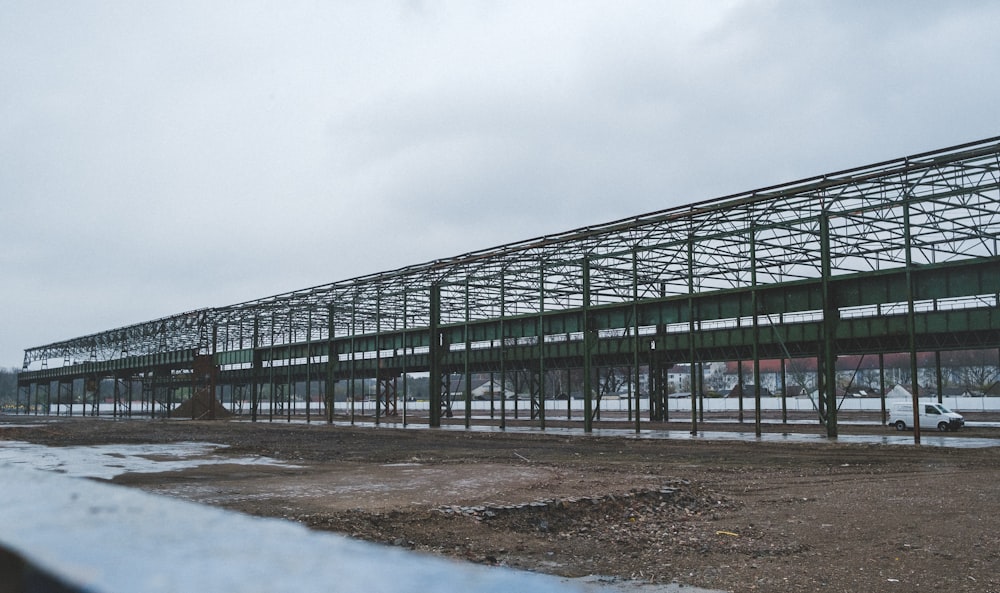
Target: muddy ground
x=731 y=515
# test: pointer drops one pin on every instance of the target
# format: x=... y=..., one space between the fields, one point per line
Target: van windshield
x=939 y=409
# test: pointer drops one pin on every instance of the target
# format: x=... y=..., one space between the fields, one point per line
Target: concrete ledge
x=68 y=534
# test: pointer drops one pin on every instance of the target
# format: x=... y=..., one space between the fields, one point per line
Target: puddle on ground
x=107 y=461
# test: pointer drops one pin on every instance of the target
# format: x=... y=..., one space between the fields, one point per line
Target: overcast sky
x=159 y=157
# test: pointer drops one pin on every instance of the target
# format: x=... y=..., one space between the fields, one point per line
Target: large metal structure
x=898 y=256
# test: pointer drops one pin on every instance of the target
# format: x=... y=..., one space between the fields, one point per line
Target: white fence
x=575 y=406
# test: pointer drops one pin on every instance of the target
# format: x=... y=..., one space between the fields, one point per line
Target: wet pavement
x=107 y=461
x=931 y=439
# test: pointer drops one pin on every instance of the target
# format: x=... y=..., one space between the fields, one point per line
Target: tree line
x=8 y=384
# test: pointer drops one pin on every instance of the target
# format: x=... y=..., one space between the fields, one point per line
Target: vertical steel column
x=784 y=392
x=435 y=353
x=755 y=308
x=468 y=352
x=692 y=329
x=493 y=388
x=352 y=355
x=589 y=342
x=378 y=358
x=270 y=373
x=332 y=362
x=830 y=318
x=309 y=357
x=881 y=385
x=911 y=321
x=289 y=377
x=541 y=344
x=741 y=380
x=255 y=371
x=503 y=349
x=635 y=337
x=406 y=352
x=213 y=372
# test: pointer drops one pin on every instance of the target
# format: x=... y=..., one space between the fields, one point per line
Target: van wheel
x=943 y=426
x=900 y=425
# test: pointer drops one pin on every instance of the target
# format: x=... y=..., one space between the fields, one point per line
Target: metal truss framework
x=760 y=262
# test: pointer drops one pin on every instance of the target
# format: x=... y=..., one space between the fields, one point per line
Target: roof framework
x=932 y=208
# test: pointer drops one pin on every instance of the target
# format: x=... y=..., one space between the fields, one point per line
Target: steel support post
x=635 y=339
x=503 y=349
x=352 y=360
x=378 y=358
x=881 y=385
x=255 y=370
x=309 y=358
x=589 y=342
x=493 y=391
x=755 y=308
x=831 y=316
x=540 y=333
x=741 y=380
x=213 y=376
x=406 y=354
x=467 y=375
x=692 y=329
x=270 y=372
x=911 y=323
x=784 y=392
x=467 y=383
x=435 y=354
x=289 y=377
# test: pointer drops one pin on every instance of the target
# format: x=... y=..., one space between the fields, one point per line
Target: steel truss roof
x=931 y=208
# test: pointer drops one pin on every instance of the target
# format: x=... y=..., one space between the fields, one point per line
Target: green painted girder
x=244 y=356
x=944 y=281
x=875 y=333
x=126 y=365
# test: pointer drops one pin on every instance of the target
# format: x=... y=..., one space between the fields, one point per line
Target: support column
x=881 y=385
x=467 y=390
x=589 y=342
x=540 y=336
x=255 y=371
x=911 y=322
x=503 y=350
x=332 y=361
x=742 y=381
x=755 y=310
x=692 y=328
x=634 y=382
x=435 y=353
x=784 y=393
x=831 y=315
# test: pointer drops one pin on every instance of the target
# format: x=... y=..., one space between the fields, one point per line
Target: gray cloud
x=160 y=157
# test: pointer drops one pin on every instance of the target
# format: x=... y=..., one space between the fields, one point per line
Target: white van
x=932 y=415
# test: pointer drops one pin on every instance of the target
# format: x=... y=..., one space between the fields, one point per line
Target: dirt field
x=731 y=515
